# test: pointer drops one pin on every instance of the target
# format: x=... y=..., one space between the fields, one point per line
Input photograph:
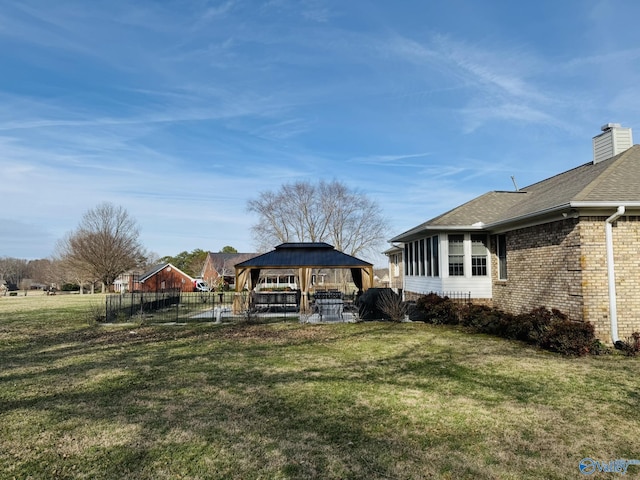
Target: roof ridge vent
x=613 y=140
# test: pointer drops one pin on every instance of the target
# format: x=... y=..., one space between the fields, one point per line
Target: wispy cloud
x=492 y=66
x=494 y=80
x=218 y=10
x=284 y=129
x=407 y=160
x=480 y=115
x=618 y=57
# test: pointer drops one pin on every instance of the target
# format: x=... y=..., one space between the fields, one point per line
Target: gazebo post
x=304 y=274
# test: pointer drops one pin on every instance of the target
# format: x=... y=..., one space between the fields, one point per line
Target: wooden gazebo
x=303 y=258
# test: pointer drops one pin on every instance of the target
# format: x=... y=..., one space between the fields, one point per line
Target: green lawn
x=285 y=401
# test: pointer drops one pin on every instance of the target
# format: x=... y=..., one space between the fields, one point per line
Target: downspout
x=611 y=273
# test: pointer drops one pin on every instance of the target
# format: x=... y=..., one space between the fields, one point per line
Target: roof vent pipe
x=611 y=273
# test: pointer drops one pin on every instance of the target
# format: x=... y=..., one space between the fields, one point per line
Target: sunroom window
x=478 y=255
x=456 y=255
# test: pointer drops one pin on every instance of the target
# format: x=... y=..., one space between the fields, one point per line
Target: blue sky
x=181 y=111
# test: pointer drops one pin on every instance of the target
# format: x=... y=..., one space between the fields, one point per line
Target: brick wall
x=563 y=265
x=626 y=239
x=543 y=269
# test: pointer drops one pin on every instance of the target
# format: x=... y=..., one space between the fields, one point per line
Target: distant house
x=381 y=277
x=221 y=266
x=395 y=274
x=164 y=278
x=127 y=282
x=568 y=242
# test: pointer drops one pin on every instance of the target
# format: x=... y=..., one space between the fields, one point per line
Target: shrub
x=392 y=306
x=599 y=348
x=96 y=313
x=630 y=346
x=530 y=327
x=437 y=310
x=368 y=304
x=548 y=329
x=485 y=319
x=568 y=337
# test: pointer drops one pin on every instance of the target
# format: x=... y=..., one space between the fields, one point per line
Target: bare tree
x=40 y=270
x=325 y=212
x=72 y=268
x=104 y=245
x=13 y=270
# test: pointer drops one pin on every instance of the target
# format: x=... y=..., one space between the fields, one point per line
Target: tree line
x=106 y=242
x=22 y=273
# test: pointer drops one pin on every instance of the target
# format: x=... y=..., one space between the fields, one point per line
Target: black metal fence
x=461 y=297
x=176 y=306
x=168 y=306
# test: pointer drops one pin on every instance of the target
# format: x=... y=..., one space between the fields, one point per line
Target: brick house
x=165 y=277
x=568 y=242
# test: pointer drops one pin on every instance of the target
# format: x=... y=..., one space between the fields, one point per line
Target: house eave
x=532 y=218
x=417 y=234
x=392 y=250
x=559 y=212
x=572 y=209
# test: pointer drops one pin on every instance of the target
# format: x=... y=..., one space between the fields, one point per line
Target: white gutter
x=580 y=204
x=558 y=209
x=611 y=273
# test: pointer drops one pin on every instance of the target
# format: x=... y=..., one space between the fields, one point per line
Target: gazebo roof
x=311 y=254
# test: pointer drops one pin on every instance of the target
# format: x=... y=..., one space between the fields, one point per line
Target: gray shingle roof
x=293 y=255
x=613 y=180
x=152 y=271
